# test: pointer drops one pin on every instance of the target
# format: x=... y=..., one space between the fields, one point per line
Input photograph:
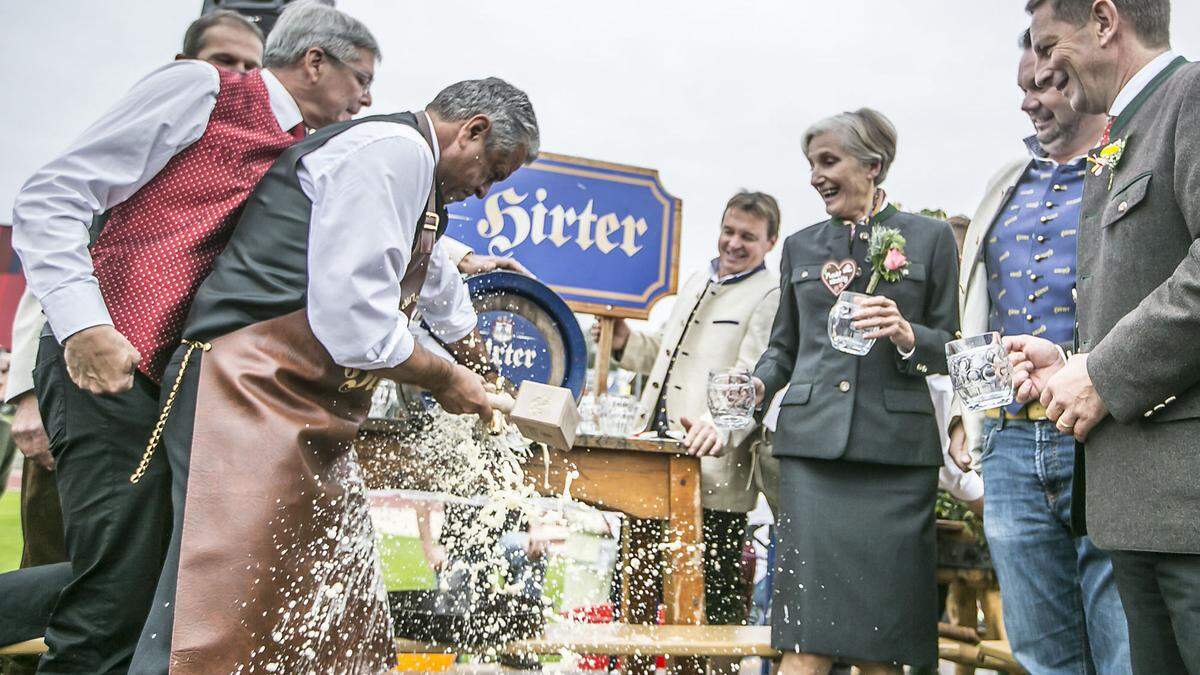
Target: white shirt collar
x=1138 y=82
x=1039 y=154
x=715 y=277
x=437 y=152
x=283 y=106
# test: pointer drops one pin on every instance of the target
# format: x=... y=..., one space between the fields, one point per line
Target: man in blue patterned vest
x=1061 y=607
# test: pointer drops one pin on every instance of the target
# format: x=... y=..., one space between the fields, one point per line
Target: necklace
x=877 y=204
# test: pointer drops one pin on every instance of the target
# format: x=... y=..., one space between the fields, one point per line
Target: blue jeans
x=1061 y=608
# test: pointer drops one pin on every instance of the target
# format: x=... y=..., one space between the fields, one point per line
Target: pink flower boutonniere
x=887 y=257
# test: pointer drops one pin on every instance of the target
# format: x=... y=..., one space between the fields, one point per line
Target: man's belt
x=1033 y=411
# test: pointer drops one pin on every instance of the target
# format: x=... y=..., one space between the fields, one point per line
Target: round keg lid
x=529 y=331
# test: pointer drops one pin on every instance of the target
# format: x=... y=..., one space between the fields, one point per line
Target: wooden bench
x=672 y=641
x=993 y=654
x=679 y=641
x=34 y=646
x=619 y=639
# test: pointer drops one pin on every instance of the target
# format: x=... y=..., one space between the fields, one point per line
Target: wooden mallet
x=541 y=412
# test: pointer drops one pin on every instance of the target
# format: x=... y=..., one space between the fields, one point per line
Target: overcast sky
x=715 y=95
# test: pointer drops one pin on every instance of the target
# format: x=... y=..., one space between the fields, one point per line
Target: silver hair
x=514 y=124
x=865 y=134
x=310 y=23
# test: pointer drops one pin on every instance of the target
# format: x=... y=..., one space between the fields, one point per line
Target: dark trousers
x=175 y=450
x=1161 y=594
x=115 y=531
x=726 y=593
x=41 y=517
x=29 y=595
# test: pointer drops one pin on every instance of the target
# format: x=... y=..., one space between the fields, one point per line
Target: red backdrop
x=12 y=285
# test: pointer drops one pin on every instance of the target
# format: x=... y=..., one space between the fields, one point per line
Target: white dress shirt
x=164 y=113
x=369 y=186
x=28 y=323
x=967 y=486
x=715 y=276
x=1138 y=82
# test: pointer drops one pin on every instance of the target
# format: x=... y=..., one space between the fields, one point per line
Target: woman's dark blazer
x=874 y=408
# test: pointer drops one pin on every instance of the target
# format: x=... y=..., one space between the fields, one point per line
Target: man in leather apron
x=272 y=564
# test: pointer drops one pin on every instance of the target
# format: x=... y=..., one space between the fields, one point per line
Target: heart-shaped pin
x=837 y=275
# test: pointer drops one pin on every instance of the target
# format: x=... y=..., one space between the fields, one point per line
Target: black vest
x=263 y=271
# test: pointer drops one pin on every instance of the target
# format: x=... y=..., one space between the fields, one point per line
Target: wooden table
x=651 y=480
x=646 y=480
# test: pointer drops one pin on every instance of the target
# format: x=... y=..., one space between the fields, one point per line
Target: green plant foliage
x=949 y=508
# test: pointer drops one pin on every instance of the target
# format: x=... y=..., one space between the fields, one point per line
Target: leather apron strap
x=430 y=222
x=427 y=234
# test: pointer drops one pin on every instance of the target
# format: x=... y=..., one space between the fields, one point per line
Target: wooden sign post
x=603 y=352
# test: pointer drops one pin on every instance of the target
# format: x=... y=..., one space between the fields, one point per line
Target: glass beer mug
x=980 y=371
x=842 y=334
x=731 y=398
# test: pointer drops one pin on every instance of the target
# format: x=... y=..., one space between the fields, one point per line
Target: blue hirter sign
x=605 y=237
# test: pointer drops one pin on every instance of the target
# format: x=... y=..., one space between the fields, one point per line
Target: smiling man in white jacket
x=721 y=319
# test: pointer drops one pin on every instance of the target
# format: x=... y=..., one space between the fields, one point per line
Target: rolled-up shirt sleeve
x=162 y=114
x=964 y=486
x=445 y=302
x=368 y=185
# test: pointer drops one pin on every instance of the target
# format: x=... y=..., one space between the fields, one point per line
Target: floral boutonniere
x=887 y=257
x=1108 y=158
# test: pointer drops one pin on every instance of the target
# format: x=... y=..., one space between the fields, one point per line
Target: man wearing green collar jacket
x=1130 y=394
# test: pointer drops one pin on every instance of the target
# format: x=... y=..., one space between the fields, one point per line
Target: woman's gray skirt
x=856 y=567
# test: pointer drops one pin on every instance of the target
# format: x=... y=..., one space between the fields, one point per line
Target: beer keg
x=530 y=334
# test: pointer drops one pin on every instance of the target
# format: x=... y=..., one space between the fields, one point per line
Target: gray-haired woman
x=856 y=436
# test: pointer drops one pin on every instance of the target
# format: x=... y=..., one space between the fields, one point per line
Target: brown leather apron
x=278 y=571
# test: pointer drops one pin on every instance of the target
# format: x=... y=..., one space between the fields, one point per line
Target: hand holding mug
x=880 y=317
x=1034 y=361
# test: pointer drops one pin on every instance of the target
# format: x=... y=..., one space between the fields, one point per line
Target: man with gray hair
x=1131 y=394
x=227 y=40
x=168 y=168
x=285 y=354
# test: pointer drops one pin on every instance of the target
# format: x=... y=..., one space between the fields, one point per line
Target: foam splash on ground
x=460 y=457
x=454 y=455
x=313 y=632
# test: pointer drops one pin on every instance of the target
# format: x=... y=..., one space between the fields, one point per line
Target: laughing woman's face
x=846 y=185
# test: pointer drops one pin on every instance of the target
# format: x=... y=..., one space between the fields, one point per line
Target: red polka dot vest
x=158 y=245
